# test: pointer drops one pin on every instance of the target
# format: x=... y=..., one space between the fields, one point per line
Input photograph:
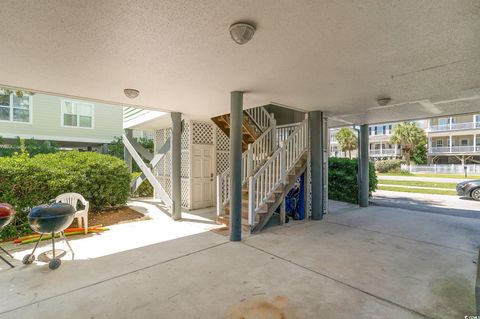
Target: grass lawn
x=459 y=176
x=417 y=190
x=418 y=183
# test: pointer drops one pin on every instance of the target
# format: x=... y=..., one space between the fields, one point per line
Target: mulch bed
x=111 y=216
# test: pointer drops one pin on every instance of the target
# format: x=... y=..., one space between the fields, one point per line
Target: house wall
x=46 y=122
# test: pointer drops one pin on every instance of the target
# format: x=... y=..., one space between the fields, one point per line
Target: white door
x=202 y=176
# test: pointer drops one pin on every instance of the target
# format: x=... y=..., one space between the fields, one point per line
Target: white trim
x=62 y=124
x=57 y=138
x=11 y=107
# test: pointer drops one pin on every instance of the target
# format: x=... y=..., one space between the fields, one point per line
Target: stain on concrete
x=455 y=296
x=276 y=307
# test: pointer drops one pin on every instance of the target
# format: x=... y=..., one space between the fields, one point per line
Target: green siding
x=46 y=121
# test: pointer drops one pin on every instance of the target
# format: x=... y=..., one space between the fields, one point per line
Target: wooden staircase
x=269 y=171
x=250 y=129
x=267 y=210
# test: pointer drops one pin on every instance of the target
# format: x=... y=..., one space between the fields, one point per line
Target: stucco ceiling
x=335 y=56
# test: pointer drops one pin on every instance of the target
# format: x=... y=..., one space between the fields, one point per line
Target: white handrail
x=257 y=153
x=284 y=131
x=261 y=117
x=274 y=171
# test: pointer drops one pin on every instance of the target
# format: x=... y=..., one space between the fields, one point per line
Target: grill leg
x=6 y=252
x=53 y=244
x=36 y=244
x=6 y=261
x=68 y=244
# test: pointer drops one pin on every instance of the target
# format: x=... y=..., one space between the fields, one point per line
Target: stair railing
x=284 y=131
x=256 y=154
x=261 y=117
x=275 y=171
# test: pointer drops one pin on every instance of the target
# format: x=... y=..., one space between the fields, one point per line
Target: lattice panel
x=185 y=192
x=202 y=133
x=185 y=164
x=161 y=137
x=185 y=138
x=223 y=161
x=223 y=142
x=166 y=184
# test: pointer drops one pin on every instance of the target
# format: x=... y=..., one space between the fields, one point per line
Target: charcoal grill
x=50 y=219
x=6 y=215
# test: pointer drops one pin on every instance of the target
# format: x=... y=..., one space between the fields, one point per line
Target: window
x=77 y=114
x=439 y=143
x=464 y=142
x=15 y=108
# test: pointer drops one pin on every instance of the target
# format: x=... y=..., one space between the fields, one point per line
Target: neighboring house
x=379 y=148
x=454 y=139
x=451 y=140
x=71 y=123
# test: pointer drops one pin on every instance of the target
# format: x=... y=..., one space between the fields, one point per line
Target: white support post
x=451 y=140
x=251 y=201
x=283 y=160
x=274 y=133
x=249 y=160
x=381 y=148
x=451 y=122
x=219 y=196
x=474 y=142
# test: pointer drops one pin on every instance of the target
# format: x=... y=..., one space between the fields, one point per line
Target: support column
x=363 y=169
x=176 y=172
x=316 y=163
x=450 y=141
x=474 y=142
x=126 y=155
x=236 y=119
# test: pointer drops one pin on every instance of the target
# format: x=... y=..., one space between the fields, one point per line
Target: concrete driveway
x=436 y=204
x=373 y=262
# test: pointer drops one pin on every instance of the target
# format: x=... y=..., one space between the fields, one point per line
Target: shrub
x=26 y=182
x=145 y=189
x=31 y=146
x=387 y=166
x=342 y=179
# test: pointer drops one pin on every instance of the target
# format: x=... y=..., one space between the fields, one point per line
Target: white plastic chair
x=72 y=199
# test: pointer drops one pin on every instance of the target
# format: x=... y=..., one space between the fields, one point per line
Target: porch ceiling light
x=382 y=101
x=131 y=93
x=241 y=32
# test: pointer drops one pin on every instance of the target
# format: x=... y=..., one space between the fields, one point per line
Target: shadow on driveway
x=435 y=204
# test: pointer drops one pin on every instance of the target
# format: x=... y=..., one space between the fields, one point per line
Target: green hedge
x=342 y=179
x=391 y=165
x=145 y=189
x=26 y=182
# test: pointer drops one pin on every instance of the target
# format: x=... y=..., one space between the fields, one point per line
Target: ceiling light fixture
x=382 y=101
x=241 y=32
x=131 y=93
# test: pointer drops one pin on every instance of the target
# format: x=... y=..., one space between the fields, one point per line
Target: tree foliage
x=347 y=140
x=410 y=137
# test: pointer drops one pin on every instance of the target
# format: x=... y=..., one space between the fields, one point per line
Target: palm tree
x=347 y=140
x=408 y=135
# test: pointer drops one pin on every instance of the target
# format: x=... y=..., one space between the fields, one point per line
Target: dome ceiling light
x=241 y=32
x=131 y=93
x=382 y=101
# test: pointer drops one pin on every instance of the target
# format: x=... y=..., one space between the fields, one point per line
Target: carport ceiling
x=335 y=56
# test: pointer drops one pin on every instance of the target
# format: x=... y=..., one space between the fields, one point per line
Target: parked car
x=469 y=189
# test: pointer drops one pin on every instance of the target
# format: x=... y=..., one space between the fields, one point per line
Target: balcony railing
x=454 y=127
x=455 y=149
x=385 y=152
